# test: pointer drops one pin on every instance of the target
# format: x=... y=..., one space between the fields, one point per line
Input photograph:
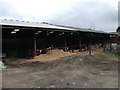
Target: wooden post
x=34 y=45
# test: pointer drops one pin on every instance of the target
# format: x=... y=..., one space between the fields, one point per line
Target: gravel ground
x=67 y=72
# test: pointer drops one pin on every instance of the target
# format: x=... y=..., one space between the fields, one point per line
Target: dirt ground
x=95 y=71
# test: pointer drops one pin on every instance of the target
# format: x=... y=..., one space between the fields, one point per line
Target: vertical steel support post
x=90 y=46
x=80 y=38
x=35 y=45
x=65 y=43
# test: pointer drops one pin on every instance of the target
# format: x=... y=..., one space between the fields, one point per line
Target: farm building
x=118 y=37
x=28 y=39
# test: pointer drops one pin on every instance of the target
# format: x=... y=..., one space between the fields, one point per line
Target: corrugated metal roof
x=30 y=24
x=45 y=25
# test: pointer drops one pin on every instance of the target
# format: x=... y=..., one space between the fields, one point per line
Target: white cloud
x=83 y=13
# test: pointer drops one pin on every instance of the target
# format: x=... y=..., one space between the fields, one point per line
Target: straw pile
x=52 y=55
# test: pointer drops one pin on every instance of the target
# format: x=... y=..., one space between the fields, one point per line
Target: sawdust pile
x=52 y=55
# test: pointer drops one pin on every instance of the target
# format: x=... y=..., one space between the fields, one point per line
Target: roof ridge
x=19 y=20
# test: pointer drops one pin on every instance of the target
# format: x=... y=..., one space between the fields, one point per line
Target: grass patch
x=107 y=55
x=114 y=54
x=102 y=55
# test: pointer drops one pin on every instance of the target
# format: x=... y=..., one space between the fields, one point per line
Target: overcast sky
x=98 y=14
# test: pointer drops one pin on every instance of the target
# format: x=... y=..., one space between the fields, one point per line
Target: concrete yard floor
x=67 y=72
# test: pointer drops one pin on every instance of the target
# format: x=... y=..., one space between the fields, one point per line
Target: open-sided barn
x=27 y=39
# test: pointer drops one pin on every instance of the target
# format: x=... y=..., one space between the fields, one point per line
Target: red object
x=65 y=44
x=35 y=45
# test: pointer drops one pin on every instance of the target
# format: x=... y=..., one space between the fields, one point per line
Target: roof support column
x=90 y=44
x=98 y=41
x=51 y=47
x=80 y=38
x=65 y=43
x=34 y=45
